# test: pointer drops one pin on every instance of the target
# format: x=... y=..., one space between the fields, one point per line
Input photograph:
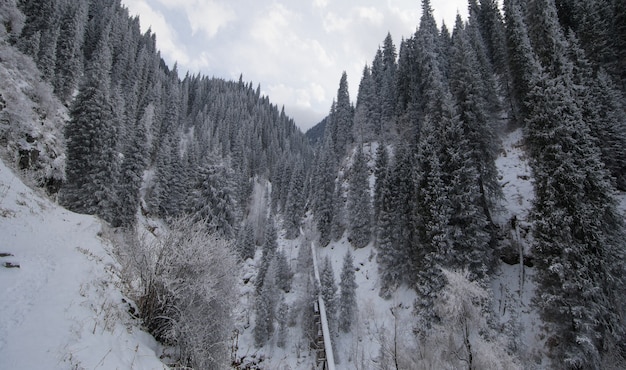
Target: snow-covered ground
x=62 y=307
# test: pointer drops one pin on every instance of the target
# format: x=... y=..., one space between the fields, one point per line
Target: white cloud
x=334 y=23
x=206 y=16
x=318 y=92
x=209 y=17
x=320 y=3
x=167 y=38
x=371 y=14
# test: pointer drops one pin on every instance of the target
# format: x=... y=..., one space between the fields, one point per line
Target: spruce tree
x=579 y=238
x=91 y=141
x=347 y=297
x=477 y=132
x=324 y=191
x=269 y=247
x=69 y=62
x=246 y=245
x=397 y=223
x=131 y=171
x=342 y=118
x=283 y=272
x=328 y=290
x=294 y=204
x=434 y=212
x=265 y=307
x=359 y=203
x=366 y=127
x=523 y=62
x=387 y=92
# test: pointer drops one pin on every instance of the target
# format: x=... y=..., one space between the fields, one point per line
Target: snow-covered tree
x=294 y=204
x=269 y=247
x=579 y=242
x=91 y=142
x=324 y=191
x=246 y=245
x=281 y=317
x=397 y=223
x=343 y=118
x=265 y=307
x=347 y=294
x=283 y=272
x=328 y=290
x=359 y=202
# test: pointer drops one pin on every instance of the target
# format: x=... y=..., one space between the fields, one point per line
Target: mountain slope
x=62 y=307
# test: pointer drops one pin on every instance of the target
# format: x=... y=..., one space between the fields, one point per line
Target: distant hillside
x=316 y=133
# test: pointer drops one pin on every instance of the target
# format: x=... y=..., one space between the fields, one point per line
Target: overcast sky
x=296 y=50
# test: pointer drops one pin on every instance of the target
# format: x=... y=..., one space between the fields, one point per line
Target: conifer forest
x=464 y=211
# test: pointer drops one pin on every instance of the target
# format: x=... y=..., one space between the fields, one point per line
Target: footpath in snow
x=62 y=307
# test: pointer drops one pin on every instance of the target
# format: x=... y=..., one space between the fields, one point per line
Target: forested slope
x=436 y=111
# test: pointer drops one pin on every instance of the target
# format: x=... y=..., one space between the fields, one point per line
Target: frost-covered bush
x=184 y=286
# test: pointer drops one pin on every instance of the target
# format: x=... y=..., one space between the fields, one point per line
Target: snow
x=513 y=286
x=515 y=177
x=63 y=307
x=375 y=318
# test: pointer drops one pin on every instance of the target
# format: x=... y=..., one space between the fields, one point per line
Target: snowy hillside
x=61 y=303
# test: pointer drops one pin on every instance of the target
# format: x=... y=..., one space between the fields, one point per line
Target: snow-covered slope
x=62 y=307
x=513 y=284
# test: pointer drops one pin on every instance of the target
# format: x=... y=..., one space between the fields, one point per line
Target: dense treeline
x=428 y=119
x=202 y=139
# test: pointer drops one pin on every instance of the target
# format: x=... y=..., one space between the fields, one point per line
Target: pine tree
x=434 y=211
x=269 y=247
x=246 y=245
x=281 y=317
x=397 y=223
x=69 y=61
x=294 y=204
x=388 y=87
x=283 y=272
x=131 y=172
x=40 y=34
x=91 y=141
x=212 y=199
x=491 y=26
x=478 y=133
x=328 y=291
x=523 y=62
x=602 y=108
x=366 y=126
x=578 y=234
x=265 y=311
x=324 y=191
x=347 y=297
x=359 y=203
x=343 y=118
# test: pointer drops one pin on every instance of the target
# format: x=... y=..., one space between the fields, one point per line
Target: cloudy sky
x=296 y=50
